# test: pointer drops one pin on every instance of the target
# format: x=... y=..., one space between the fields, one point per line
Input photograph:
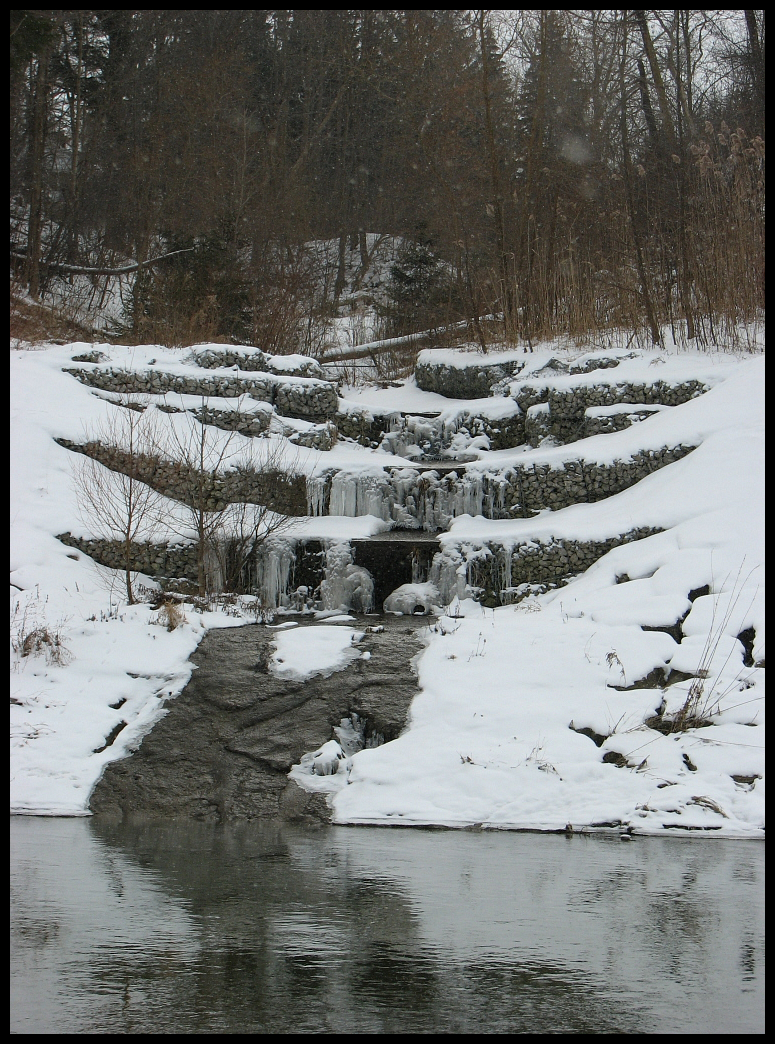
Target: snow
x=494 y=736
x=412 y=598
x=317 y=649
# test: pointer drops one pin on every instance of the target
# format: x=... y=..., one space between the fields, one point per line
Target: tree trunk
x=39 y=128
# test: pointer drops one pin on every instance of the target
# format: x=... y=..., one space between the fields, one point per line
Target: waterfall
x=448 y=574
x=273 y=572
x=317 y=491
x=407 y=497
x=346 y=585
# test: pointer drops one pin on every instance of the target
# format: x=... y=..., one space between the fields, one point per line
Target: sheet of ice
x=316 y=649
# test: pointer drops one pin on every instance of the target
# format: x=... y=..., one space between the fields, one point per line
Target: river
x=184 y=927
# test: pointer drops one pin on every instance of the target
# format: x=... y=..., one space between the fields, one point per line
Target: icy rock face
x=346 y=586
x=334 y=757
x=413 y=598
x=417 y=437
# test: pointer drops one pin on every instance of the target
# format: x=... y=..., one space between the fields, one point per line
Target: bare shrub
x=227 y=534
x=32 y=636
x=703 y=700
x=119 y=505
x=170 y=615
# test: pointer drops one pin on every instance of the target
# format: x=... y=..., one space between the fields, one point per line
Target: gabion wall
x=304 y=397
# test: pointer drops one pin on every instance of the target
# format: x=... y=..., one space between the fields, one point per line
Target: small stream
x=184 y=927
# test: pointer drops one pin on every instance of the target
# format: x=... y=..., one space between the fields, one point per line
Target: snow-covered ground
x=493 y=737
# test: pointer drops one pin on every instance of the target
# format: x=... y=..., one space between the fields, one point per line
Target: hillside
x=595 y=642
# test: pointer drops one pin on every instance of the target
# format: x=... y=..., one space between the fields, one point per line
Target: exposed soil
x=223 y=750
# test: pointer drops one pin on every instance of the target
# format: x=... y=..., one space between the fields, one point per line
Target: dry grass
x=32 y=324
x=170 y=615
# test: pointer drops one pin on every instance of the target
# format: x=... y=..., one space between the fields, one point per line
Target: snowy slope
x=489 y=741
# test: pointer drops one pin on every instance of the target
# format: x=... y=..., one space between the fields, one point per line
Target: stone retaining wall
x=469 y=382
x=159 y=560
x=257 y=361
x=599 y=424
x=567 y=408
x=500 y=575
x=253 y=424
x=493 y=375
x=496 y=575
x=280 y=491
x=365 y=426
x=431 y=499
x=304 y=397
x=526 y=489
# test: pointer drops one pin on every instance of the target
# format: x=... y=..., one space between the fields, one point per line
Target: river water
x=189 y=928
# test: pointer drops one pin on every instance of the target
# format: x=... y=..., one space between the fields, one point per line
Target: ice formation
x=413 y=598
x=346 y=585
x=408 y=497
x=273 y=572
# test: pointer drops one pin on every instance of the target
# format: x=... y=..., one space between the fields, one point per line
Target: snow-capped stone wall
x=253 y=359
x=430 y=500
x=161 y=559
x=304 y=397
x=498 y=575
x=462 y=382
x=279 y=490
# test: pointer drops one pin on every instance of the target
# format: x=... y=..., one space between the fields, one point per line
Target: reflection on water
x=190 y=928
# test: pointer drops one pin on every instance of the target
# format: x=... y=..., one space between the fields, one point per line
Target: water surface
x=190 y=928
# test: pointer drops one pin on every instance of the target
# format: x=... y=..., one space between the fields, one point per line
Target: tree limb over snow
x=55 y=266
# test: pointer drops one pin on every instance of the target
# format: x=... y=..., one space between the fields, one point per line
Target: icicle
x=316 y=495
x=274 y=568
x=448 y=575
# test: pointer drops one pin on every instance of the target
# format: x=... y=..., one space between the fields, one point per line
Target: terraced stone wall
x=501 y=575
x=282 y=492
x=432 y=499
x=469 y=382
x=159 y=560
x=258 y=361
x=303 y=397
x=567 y=408
x=526 y=489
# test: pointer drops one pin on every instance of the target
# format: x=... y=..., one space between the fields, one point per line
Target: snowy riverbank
x=529 y=716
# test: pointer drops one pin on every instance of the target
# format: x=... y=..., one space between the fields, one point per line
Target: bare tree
x=222 y=476
x=119 y=505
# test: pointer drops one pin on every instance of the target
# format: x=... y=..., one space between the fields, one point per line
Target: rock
x=223 y=750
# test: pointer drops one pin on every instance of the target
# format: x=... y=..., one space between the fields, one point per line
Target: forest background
x=545 y=172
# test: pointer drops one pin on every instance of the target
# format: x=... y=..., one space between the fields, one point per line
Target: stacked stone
x=258 y=361
x=304 y=397
x=311 y=400
x=162 y=559
x=90 y=357
x=232 y=420
x=598 y=362
x=605 y=425
x=532 y=488
x=551 y=563
x=469 y=382
x=538 y=424
x=567 y=407
x=322 y=437
x=278 y=490
x=364 y=426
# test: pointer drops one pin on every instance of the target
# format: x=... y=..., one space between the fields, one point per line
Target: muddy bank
x=223 y=750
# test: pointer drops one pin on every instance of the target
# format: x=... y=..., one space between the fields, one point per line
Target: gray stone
x=225 y=746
